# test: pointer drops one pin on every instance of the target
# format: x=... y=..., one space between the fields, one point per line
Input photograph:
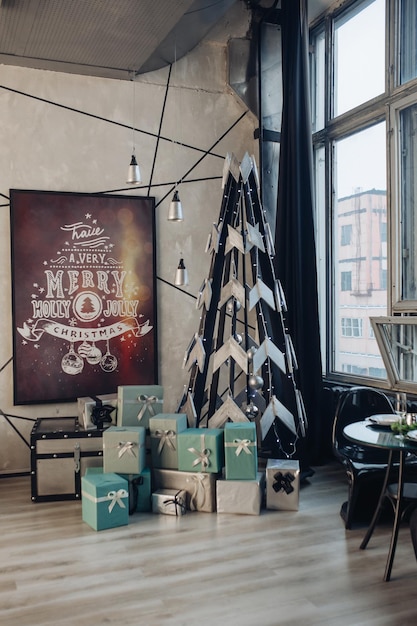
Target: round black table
x=368 y=434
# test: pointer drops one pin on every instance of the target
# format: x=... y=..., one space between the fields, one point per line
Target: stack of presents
x=155 y=462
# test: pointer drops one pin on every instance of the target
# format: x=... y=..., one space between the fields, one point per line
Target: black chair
x=365 y=466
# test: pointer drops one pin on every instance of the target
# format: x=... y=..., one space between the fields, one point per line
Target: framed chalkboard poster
x=83 y=294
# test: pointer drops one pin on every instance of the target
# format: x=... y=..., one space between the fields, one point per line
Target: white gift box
x=169 y=502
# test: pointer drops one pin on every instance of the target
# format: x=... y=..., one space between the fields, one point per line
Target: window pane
x=408 y=40
x=321 y=239
x=360 y=264
x=408 y=182
x=359 y=65
x=317 y=78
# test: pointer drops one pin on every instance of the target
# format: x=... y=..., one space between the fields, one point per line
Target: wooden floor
x=281 y=568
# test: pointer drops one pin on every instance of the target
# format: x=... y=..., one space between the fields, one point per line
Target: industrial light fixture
x=133 y=176
x=181 y=275
x=175 y=213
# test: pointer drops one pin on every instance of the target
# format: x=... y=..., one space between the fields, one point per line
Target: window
x=359 y=53
x=364 y=117
x=346 y=281
x=408 y=41
x=383 y=234
x=351 y=327
x=346 y=235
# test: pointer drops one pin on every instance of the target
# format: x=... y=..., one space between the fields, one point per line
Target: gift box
x=139 y=491
x=200 y=488
x=124 y=450
x=104 y=501
x=93 y=470
x=201 y=450
x=240 y=451
x=87 y=405
x=137 y=403
x=169 y=502
x=240 y=496
x=164 y=428
x=282 y=484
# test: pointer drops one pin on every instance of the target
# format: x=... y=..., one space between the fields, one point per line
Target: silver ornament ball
x=251 y=411
x=255 y=382
x=232 y=305
x=250 y=353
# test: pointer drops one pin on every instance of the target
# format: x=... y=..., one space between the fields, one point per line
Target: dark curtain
x=295 y=260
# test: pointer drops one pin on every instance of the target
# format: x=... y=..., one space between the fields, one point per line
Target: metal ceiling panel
x=110 y=38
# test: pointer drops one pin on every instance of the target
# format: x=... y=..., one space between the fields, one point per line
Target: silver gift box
x=199 y=487
x=282 y=484
x=240 y=496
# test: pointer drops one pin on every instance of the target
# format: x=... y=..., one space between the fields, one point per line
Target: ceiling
x=108 y=38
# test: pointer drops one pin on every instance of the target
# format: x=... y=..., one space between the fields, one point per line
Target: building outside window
x=346 y=235
x=351 y=327
x=346 y=281
x=364 y=118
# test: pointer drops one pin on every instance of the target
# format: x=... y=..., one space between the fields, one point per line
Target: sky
x=360 y=76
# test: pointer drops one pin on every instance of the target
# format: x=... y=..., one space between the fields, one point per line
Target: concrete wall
x=62 y=132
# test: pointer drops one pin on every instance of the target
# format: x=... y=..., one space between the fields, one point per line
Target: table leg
x=378 y=509
x=397 y=519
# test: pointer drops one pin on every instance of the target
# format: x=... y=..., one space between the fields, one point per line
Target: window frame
x=384 y=107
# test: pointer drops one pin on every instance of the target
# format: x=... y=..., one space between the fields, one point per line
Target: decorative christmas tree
x=242 y=361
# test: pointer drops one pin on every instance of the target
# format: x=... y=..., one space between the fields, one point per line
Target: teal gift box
x=201 y=450
x=240 y=451
x=164 y=429
x=139 y=491
x=93 y=470
x=140 y=488
x=124 y=449
x=137 y=403
x=104 y=501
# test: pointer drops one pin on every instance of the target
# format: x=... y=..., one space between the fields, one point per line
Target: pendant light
x=181 y=275
x=175 y=213
x=133 y=176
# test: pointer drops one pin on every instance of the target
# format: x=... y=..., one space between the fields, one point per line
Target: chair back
x=354 y=405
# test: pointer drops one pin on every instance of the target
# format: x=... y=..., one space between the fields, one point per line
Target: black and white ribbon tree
x=241 y=360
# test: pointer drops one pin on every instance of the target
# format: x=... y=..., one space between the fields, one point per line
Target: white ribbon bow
x=243 y=445
x=166 y=437
x=198 y=495
x=126 y=446
x=148 y=401
x=115 y=497
x=202 y=455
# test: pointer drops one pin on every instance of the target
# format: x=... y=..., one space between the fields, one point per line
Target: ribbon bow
x=283 y=482
x=166 y=437
x=242 y=445
x=199 y=492
x=126 y=446
x=202 y=455
x=177 y=502
x=148 y=401
x=115 y=497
